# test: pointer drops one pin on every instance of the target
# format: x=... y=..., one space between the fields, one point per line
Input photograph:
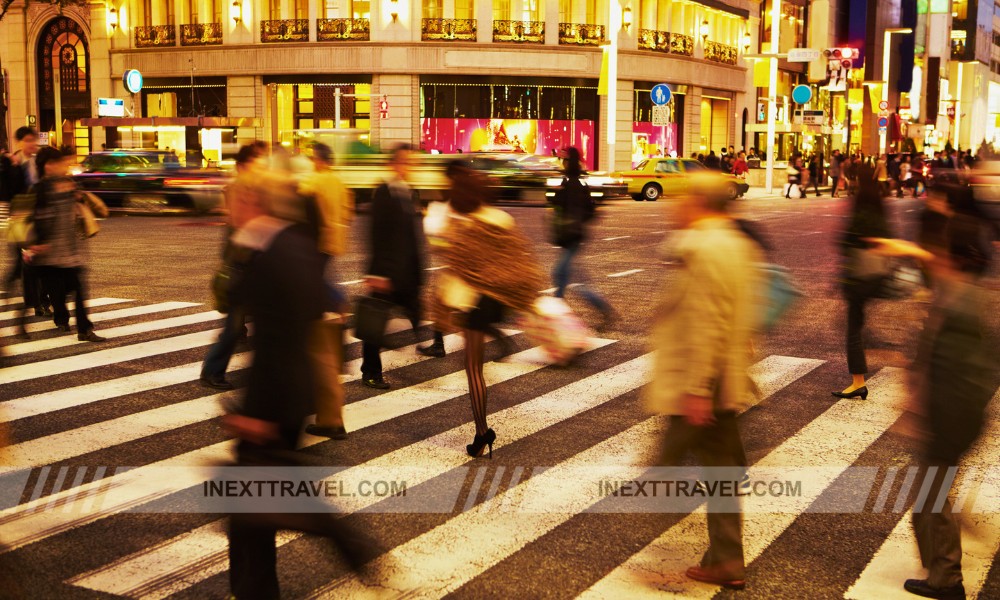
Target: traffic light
x=840 y=61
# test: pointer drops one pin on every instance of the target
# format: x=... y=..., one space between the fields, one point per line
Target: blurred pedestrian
x=951 y=379
x=59 y=252
x=334 y=208
x=712 y=161
x=882 y=175
x=835 y=172
x=489 y=268
x=396 y=251
x=740 y=167
x=575 y=209
x=242 y=198
x=794 y=173
x=863 y=273
x=815 y=171
x=282 y=291
x=20 y=175
x=701 y=339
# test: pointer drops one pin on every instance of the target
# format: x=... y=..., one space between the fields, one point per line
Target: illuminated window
x=465 y=9
x=433 y=9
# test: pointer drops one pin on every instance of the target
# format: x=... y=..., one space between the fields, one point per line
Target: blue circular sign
x=660 y=94
x=883 y=122
x=133 y=81
x=802 y=94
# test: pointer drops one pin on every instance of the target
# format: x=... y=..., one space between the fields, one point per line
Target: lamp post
x=882 y=144
x=614 y=27
x=772 y=99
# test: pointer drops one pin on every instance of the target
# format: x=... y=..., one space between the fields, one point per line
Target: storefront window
x=650 y=140
x=509 y=117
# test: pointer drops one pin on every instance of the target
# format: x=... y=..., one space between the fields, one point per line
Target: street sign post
x=802 y=94
x=661 y=116
x=883 y=105
x=660 y=94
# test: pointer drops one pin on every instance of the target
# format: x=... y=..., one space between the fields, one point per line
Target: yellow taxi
x=655 y=177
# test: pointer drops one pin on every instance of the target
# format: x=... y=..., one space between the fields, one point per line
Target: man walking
x=282 y=290
x=702 y=342
x=334 y=205
x=834 y=172
x=240 y=202
x=395 y=271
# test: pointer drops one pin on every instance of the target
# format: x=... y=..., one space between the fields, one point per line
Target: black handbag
x=370 y=318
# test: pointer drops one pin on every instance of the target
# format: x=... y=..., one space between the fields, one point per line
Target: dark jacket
x=574 y=207
x=282 y=291
x=396 y=242
x=957 y=361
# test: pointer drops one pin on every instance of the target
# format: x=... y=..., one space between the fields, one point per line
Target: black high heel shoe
x=861 y=392
x=480 y=442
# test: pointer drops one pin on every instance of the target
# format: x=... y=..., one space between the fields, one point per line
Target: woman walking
x=863 y=272
x=489 y=268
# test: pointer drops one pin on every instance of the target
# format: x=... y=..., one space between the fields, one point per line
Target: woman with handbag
x=863 y=272
x=488 y=268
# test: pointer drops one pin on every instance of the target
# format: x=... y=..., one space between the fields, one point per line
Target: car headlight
x=553 y=181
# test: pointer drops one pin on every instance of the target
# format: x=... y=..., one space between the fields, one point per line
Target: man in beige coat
x=702 y=340
x=334 y=212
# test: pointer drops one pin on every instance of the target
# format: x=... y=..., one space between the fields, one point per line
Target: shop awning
x=174 y=121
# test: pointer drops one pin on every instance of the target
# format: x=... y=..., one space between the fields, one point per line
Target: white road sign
x=661 y=116
x=803 y=55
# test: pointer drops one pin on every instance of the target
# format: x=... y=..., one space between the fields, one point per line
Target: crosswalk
x=105 y=433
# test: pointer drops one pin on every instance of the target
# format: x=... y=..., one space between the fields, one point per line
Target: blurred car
x=655 y=177
x=149 y=177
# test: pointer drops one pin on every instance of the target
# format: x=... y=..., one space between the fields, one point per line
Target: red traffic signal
x=383 y=105
x=841 y=53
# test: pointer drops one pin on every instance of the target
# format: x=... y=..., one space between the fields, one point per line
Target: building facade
x=455 y=74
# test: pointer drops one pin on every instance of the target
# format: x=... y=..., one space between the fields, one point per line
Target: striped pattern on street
x=513 y=510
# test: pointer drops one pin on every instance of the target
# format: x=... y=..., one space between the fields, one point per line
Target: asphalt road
x=134 y=401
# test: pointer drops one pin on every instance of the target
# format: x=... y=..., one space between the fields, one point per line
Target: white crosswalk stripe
x=95 y=303
x=434 y=562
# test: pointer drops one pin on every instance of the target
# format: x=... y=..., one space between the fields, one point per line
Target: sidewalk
x=760 y=193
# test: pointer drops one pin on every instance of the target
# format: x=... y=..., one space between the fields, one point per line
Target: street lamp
x=882 y=143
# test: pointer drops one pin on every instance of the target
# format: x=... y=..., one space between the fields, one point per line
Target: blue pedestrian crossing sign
x=660 y=94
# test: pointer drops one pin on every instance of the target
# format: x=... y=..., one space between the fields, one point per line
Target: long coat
x=396 y=242
x=701 y=339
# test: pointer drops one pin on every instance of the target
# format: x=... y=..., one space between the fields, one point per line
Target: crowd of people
x=279 y=265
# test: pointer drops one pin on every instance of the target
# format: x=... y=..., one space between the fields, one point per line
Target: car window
x=642 y=165
x=693 y=165
x=667 y=166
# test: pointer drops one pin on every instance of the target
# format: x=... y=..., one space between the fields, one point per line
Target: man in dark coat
x=396 y=244
x=282 y=290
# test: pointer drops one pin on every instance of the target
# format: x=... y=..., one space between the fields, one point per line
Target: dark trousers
x=936 y=527
x=858 y=294
x=371 y=359
x=217 y=359
x=253 y=573
x=60 y=282
x=836 y=181
x=716 y=445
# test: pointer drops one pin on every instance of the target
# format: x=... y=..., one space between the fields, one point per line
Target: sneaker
x=334 y=433
x=216 y=382
x=376 y=383
x=920 y=587
x=90 y=336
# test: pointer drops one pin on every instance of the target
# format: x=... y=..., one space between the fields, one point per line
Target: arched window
x=64 y=47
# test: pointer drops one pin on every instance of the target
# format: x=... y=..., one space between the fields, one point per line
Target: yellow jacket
x=335 y=204
x=701 y=338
